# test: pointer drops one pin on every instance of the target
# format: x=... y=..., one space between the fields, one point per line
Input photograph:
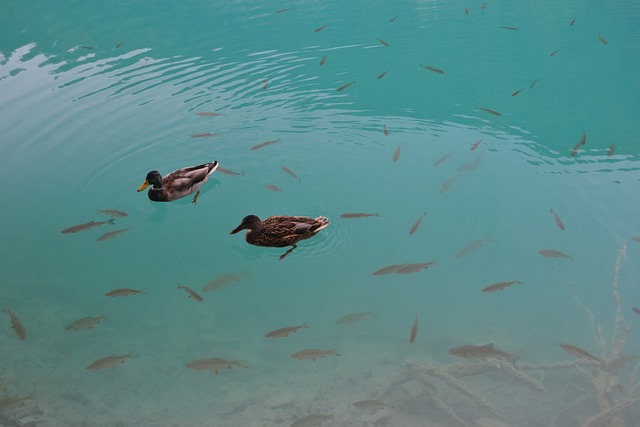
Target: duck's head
x=153 y=178
x=249 y=222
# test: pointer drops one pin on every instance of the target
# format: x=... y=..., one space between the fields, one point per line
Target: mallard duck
x=179 y=183
x=280 y=230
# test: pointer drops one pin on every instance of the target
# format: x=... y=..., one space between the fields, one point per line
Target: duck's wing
x=185 y=178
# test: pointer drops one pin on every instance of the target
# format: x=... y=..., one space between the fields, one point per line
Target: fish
x=468 y=167
x=442 y=159
x=558 y=220
x=636 y=238
x=583 y=140
x=382 y=42
x=414 y=330
x=382 y=75
x=87 y=226
x=414 y=268
x=124 y=292
x=481 y=352
x=348 y=319
x=554 y=52
x=466 y=11
x=636 y=310
x=229 y=171
x=272 y=187
x=350 y=215
x=517 y=92
x=317 y=30
x=290 y=172
x=489 y=110
x=602 y=39
x=7 y=403
x=500 y=286
x=283 y=10
x=119 y=45
x=264 y=144
x=396 y=154
x=475 y=145
x=393 y=19
x=482 y=6
x=208 y=114
x=312 y=420
x=16 y=324
x=448 y=183
x=85 y=47
x=223 y=281
x=416 y=224
x=573 y=21
x=205 y=135
x=371 y=406
x=471 y=247
x=343 y=87
x=611 y=149
x=215 y=364
x=552 y=253
x=85 y=323
x=388 y=269
x=385 y=130
x=580 y=353
x=435 y=70
x=575 y=149
x=191 y=293
x=111 y=234
x=113 y=213
x=313 y=354
x=285 y=332
x=265 y=84
x=108 y=362
x=533 y=83
x=509 y=28
x=323 y=60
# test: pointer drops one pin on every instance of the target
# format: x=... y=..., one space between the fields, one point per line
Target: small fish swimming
x=580 y=353
x=388 y=269
x=371 y=406
x=283 y=10
x=85 y=323
x=7 y=403
x=517 y=92
x=573 y=21
x=385 y=130
x=382 y=75
x=558 y=220
x=583 y=140
x=396 y=154
x=490 y=111
x=16 y=324
x=466 y=11
x=435 y=70
x=481 y=352
x=113 y=213
x=285 y=332
x=611 y=149
x=471 y=247
x=416 y=224
x=575 y=149
x=191 y=293
x=414 y=268
x=111 y=234
x=482 y=6
x=229 y=171
x=602 y=39
x=205 y=135
x=265 y=84
x=509 y=28
x=636 y=238
x=343 y=87
x=533 y=83
x=393 y=19
x=552 y=253
x=317 y=30
x=215 y=364
x=123 y=292
x=119 y=45
x=475 y=145
x=108 y=362
x=272 y=187
x=554 y=52
x=414 y=330
x=87 y=226
x=290 y=172
x=313 y=420
x=636 y=310
x=382 y=42
x=323 y=60
x=448 y=183
x=442 y=159
x=313 y=354
x=348 y=319
x=500 y=286
x=209 y=114
x=264 y=144
x=351 y=215
x=222 y=282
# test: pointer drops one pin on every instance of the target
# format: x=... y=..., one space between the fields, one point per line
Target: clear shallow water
x=93 y=97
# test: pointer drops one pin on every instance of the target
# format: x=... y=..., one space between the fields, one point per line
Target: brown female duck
x=280 y=230
x=179 y=183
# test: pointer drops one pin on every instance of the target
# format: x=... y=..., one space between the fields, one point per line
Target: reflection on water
x=451 y=143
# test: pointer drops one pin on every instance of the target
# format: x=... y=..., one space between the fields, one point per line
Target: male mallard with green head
x=179 y=183
x=280 y=230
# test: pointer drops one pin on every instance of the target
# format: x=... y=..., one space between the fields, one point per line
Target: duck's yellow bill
x=144 y=185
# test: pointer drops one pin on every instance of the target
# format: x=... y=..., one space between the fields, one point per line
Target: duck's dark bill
x=144 y=185
x=235 y=230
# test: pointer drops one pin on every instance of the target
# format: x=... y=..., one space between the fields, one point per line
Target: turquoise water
x=96 y=95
